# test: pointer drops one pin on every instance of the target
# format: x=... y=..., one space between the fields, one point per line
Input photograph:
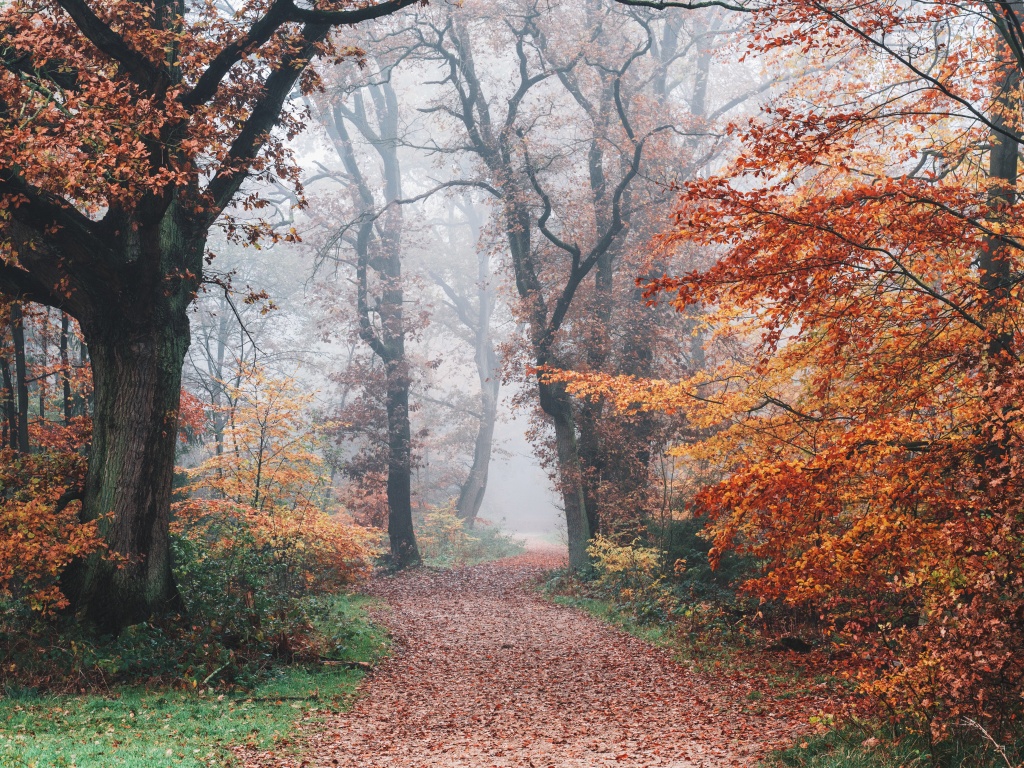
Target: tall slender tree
x=474 y=312
x=376 y=238
x=570 y=212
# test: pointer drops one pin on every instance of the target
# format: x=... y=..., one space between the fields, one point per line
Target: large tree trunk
x=404 y=551
x=558 y=406
x=137 y=386
x=577 y=523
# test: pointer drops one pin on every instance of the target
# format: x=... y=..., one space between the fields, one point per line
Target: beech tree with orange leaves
x=127 y=130
x=863 y=399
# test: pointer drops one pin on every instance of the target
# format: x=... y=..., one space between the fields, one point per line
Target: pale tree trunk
x=995 y=259
x=471 y=494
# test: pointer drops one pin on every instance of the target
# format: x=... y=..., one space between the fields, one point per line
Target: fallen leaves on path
x=487 y=673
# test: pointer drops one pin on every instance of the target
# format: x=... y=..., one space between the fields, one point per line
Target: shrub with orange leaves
x=40 y=533
x=258 y=532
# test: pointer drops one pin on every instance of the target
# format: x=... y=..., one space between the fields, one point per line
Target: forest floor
x=485 y=672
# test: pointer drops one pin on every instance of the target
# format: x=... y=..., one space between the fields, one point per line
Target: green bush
x=243 y=594
x=690 y=571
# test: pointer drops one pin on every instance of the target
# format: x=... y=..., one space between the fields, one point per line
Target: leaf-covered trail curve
x=486 y=673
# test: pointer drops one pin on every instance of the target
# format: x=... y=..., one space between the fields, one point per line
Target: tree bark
x=20 y=374
x=577 y=520
x=995 y=259
x=10 y=412
x=404 y=551
x=558 y=407
x=65 y=367
x=41 y=386
x=137 y=386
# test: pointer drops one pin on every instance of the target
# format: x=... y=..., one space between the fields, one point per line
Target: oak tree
x=127 y=130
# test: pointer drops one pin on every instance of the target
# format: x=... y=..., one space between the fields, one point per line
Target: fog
x=520 y=496
x=475 y=193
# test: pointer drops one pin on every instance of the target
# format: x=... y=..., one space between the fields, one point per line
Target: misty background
x=590 y=111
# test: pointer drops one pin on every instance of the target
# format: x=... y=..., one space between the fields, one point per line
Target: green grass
x=855 y=747
x=140 y=728
x=708 y=652
x=851 y=748
x=655 y=634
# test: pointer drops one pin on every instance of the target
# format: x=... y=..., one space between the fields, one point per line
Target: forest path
x=487 y=673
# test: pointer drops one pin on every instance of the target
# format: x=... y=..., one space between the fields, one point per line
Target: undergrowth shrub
x=40 y=533
x=244 y=573
x=444 y=540
x=632 y=576
x=259 y=546
x=260 y=532
x=691 y=574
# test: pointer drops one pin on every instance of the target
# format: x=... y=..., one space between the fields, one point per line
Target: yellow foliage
x=441 y=536
x=269 y=479
x=632 y=576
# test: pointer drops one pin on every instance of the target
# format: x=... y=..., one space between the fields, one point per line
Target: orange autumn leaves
x=104 y=133
x=40 y=533
x=866 y=432
x=268 y=480
x=267 y=477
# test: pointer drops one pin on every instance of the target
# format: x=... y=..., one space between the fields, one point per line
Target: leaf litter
x=485 y=673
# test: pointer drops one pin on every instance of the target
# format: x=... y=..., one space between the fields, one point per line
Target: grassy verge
x=861 y=747
x=148 y=728
x=712 y=650
x=655 y=634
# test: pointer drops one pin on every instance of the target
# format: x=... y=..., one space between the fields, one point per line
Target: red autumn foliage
x=863 y=402
x=40 y=533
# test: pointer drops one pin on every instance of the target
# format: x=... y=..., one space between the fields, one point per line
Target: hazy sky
x=518 y=489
